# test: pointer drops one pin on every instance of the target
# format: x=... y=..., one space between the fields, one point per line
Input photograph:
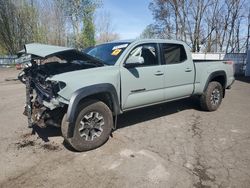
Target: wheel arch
x=218 y=76
x=104 y=92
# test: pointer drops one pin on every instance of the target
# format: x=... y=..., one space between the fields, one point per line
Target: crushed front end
x=43 y=105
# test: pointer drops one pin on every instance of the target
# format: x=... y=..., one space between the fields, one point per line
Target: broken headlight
x=57 y=86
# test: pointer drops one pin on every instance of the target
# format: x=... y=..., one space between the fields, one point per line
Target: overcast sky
x=129 y=17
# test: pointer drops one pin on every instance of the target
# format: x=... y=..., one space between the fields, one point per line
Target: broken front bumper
x=42 y=112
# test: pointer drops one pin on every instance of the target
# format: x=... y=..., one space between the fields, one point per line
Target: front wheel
x=211 y=99
x=92 y=127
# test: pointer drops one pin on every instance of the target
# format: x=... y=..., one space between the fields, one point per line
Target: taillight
x=232 y=65
x=229 y=62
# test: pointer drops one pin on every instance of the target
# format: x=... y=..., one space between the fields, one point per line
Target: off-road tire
x=64 y=127
x=208 y=101
x=80 y=143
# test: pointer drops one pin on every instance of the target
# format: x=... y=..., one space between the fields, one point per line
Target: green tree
x=17 y=24
x=2 y=50
x=88 y=32
x=80 y=16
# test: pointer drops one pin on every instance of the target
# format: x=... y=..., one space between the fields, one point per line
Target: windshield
x=109 y=52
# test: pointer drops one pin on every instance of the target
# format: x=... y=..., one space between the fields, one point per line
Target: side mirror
x=134 y=61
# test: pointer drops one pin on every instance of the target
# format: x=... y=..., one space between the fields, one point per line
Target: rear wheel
x=211 y=99
x=92 y=127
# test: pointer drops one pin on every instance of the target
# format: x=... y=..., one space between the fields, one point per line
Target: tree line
x=57 y=22
x=205 y=25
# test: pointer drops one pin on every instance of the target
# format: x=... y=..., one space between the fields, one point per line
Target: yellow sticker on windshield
x=116 y=52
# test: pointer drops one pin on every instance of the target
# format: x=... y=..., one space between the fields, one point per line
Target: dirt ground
x=169 y=145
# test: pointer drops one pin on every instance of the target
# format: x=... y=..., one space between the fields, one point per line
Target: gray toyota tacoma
x=83 y=93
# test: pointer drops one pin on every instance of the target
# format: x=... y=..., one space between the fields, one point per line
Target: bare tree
x=213 y=24
x=162 y=14
x=105 y=28
x=248 y=30
x=52 y=25
x=211 y=19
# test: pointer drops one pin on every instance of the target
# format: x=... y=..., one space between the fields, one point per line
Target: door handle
x=188 y=70
x=158 y=73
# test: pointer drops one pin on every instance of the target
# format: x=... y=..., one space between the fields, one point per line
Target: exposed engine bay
x=42 y=105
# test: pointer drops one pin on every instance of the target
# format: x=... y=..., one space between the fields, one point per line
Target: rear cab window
x=173 y=53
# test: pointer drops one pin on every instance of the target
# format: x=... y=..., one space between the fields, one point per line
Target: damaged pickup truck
x=84 y=93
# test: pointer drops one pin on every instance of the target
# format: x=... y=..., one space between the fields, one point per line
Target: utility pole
x=248 y=31
x=247 y=71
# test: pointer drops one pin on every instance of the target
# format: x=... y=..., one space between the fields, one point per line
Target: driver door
x=143 y=84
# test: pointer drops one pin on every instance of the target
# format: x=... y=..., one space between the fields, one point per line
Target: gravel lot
x=169 y=145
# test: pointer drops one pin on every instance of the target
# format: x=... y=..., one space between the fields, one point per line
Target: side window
x=174 y=53
x=146 y=52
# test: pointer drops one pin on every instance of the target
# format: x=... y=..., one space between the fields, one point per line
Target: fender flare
x=82 y=93
x=213 y=75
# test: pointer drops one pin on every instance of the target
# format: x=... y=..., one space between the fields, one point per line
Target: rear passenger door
x=179 y=71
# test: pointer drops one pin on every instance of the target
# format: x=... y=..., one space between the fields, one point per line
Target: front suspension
x=29 y=95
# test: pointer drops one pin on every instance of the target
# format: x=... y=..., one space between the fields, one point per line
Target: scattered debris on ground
x=27 y=142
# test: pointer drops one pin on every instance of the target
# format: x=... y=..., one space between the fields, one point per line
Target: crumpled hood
x=42 y=50
x=45 y=51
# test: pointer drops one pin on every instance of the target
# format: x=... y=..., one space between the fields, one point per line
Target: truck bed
x=204 y=68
